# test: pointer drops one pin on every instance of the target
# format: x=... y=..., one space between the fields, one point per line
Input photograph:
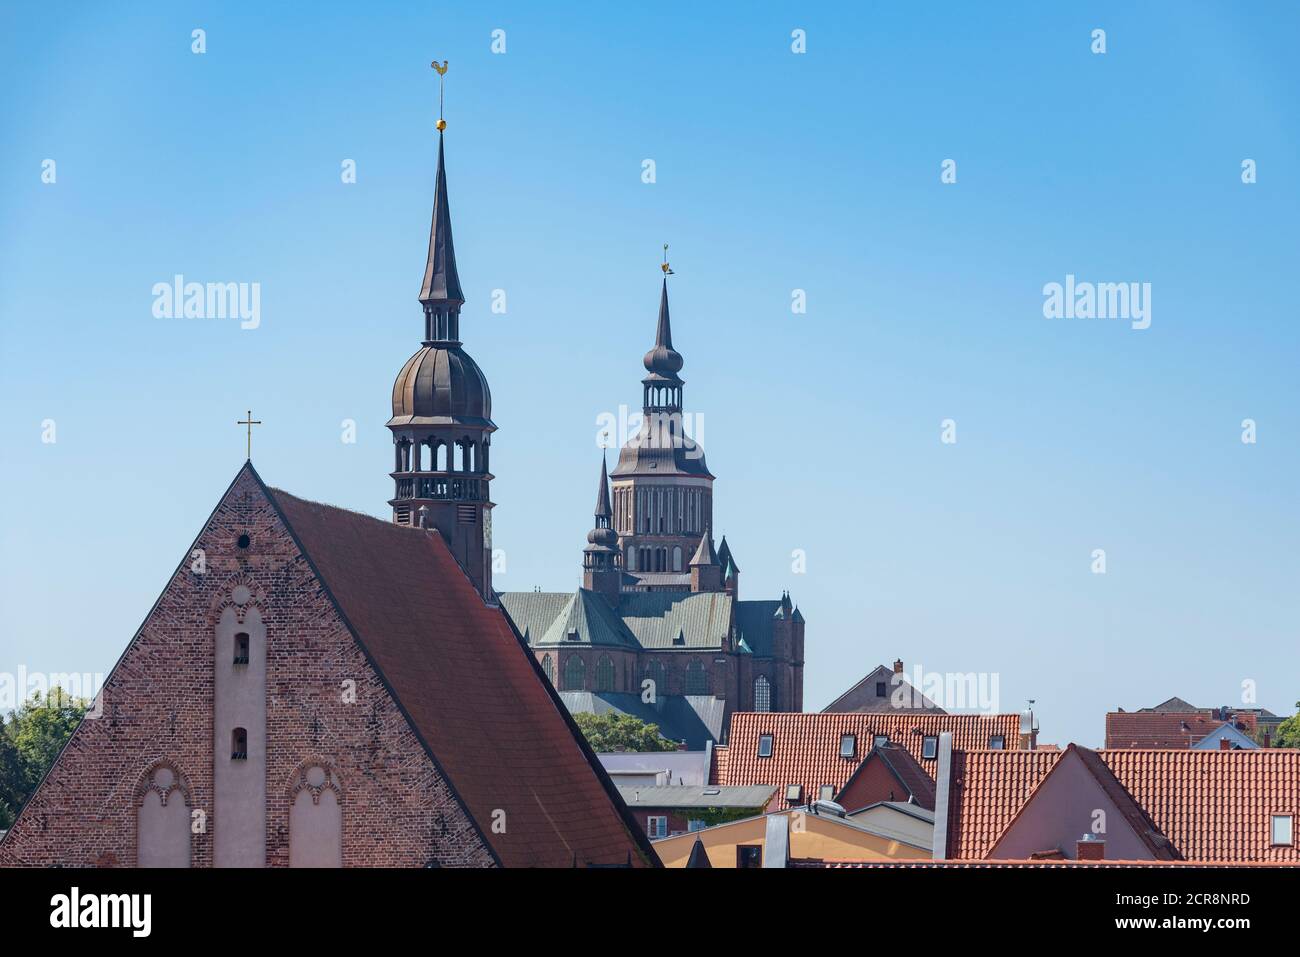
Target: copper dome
x=441 y=385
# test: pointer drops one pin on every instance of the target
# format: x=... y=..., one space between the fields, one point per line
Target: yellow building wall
x=810 y=837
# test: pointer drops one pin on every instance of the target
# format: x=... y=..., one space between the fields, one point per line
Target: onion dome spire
x=603 y=535
x=663 y=360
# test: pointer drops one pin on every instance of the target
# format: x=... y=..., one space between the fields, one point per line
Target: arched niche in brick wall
x=315 y=816
x=162 y=817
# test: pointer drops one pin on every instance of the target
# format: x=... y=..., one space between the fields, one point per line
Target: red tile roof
x=988 y=788
x=806 y=747
x=469 y=688
x=1212 y=805
x=1157 y=729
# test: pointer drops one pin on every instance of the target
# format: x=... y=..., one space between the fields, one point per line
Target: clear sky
x=775 y=171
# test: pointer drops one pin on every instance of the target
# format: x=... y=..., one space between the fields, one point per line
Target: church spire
x=440 y=293
x=603 y=509
x=662 y=387
x=600 y=559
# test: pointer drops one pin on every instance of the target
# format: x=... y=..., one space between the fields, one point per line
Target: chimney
x=1225 y=744
x=942 y=787
x=898 y=666
x=1090 y=848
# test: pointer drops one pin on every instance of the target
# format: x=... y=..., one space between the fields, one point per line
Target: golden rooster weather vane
x=664 y=266
x=442 y=72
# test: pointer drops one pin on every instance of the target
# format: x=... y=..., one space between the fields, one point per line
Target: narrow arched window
x=656 y=673
x=548 y=668
x=697 y=681
x=605 y=674
x=677 y=558
x=241 y=648
x=239 y=744
x=762 y=694
x=575 y=673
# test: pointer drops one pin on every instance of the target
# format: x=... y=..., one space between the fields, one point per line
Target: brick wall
x=398 y=811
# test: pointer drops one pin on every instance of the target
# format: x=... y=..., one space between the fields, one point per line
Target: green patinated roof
x=658 y=618
x=549 y=618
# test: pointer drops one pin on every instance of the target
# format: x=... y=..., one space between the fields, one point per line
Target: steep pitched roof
x=1137 y=819
x=586 y=619
x=471 y=691
x=658 y=618
x=642 y=619
x=806 y=747
x=1212 y=805
x=913 y=778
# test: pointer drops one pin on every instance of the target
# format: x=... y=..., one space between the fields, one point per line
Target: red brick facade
x=397 y=809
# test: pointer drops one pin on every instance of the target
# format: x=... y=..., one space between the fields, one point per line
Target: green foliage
x=30 y=740
x=621 y=732
x=1288 y=732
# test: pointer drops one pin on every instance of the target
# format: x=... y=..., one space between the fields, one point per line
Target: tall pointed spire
x=663 y=360
x=603 y=509
x=441 y=283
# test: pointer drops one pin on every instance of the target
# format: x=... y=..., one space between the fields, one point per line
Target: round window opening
x=244 y=541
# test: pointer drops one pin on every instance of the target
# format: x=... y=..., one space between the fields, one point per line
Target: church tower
x=442 y=416
x=600 y=559
x=663 y=490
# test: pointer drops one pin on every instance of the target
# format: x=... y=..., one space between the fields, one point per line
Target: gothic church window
x=677 y=558
x=548 y=668
x=605 y=674
x=697 y=682
x=575 y=673
x=762 y=694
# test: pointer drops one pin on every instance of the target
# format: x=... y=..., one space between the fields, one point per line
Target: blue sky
x=775 y=171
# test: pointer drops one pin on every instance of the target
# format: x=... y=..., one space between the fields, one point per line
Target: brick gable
x=398 y=809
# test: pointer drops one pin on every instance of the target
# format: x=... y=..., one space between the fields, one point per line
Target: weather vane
x=442 y=72
x=250 y=422
x=667 y=271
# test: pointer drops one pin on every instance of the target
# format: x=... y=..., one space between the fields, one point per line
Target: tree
x=30 y=740
x=1288 y=732
x=615 y=731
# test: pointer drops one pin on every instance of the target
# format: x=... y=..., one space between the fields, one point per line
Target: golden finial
x=664 y=266
x=442 y=72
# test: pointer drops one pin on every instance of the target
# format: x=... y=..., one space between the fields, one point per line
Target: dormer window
x=880 y=740
x=764 y=745
x=826 y=792
x=241 y=648
x=1282 y=830
x=794 y=793
x=239 y=744
x=929 y=747
x=998 y=742
x=573 y=634
x=848 y=745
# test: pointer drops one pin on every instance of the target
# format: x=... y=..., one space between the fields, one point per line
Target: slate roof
x=692 y=796
x=1212 y=805
x=695 y=719
x=806 y=747
x=471 y=691
x=754 y=624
